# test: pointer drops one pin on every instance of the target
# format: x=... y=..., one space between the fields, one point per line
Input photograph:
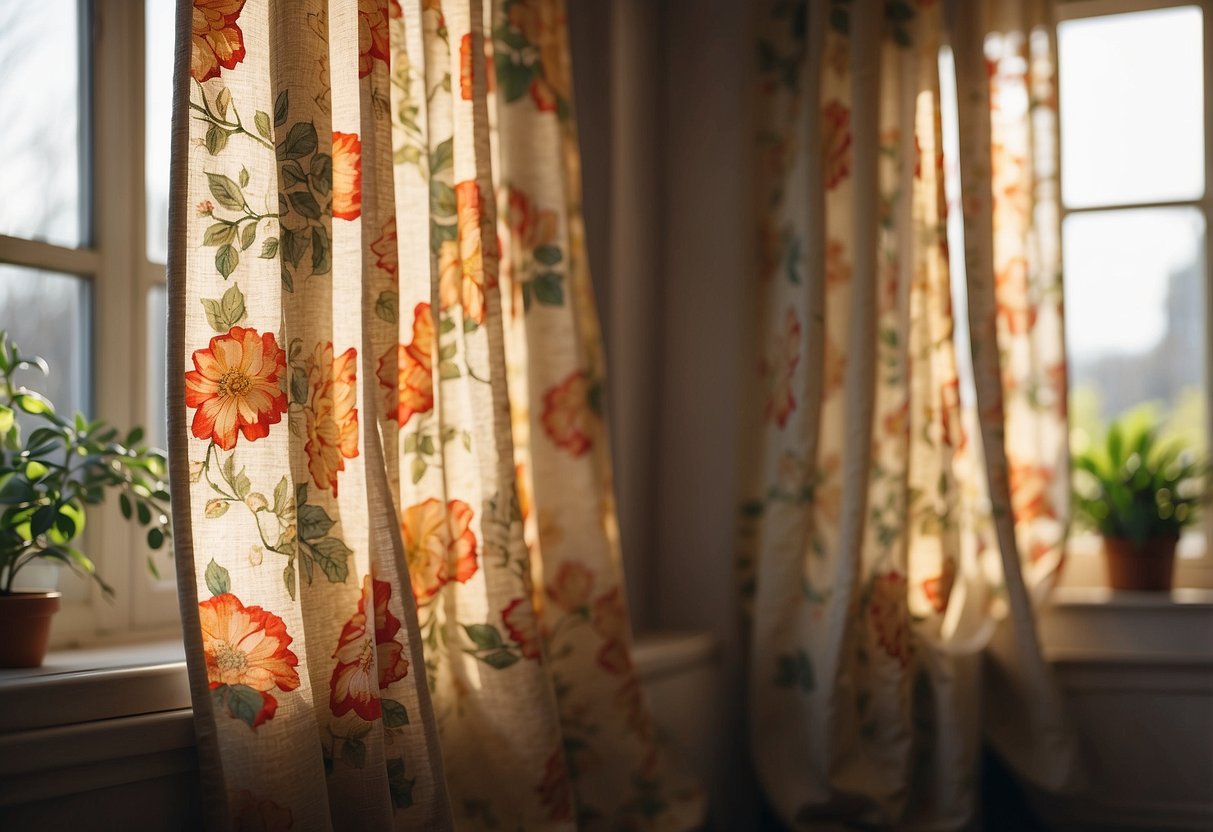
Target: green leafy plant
x=1136 y=487
x=62 y=467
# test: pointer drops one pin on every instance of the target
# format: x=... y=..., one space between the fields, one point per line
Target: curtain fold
x=899 y=519
x=400 y=586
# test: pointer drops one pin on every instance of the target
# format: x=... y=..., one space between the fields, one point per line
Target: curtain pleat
x=391 y=485
x=890 y=554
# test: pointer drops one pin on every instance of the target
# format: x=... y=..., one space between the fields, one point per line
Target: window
x=85 y=97
x=1135 y=210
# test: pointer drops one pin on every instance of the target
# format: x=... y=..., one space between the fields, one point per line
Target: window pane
x=47 y=314
x=41 y=145
x=1132 y=107
x=157 y=352
x=1135 y=319
x=158 y=98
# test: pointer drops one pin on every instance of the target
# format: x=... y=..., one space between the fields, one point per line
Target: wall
x=705 y=275
x=664 y=146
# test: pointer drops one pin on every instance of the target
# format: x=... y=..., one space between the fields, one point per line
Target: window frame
x=113 y=259
x=1192 y=571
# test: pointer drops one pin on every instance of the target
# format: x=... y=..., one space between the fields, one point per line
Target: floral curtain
x=900 y=510
x=392 y=498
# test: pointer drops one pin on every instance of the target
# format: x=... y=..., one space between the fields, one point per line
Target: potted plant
x=1139 y=494
x=46 y=483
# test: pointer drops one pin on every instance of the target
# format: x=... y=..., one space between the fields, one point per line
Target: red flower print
x=461 y=264
x=235 y=386
x=355 y=683
x=541 y=25
x=570 y=588
x=566 y=414
x=610 y=616
x=246 y=648
x=613 y=658
x=543 y=95
x=890 y=616
x=347 y=176
x=439 y=546
x=1030 y=491
x=253 y=814
x=409 y=385
x=939 y=588
x=949 y=414
x=780 y=368
x=555 y=793
x=332 y=419
x=835 y=142
x=529 y=226
x=372 y=34
x=519 y=620
x=216 y=39
x=386 y=257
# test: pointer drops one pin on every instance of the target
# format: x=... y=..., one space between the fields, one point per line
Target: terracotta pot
x=25 y=627
x=1146 y=566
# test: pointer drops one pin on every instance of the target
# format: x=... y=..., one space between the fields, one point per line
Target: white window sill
x=95 y=683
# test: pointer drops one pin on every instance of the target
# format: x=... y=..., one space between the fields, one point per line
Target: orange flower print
x=253 y=814
x=939 y=588
x=889 y=615
x=367 y=665
x=835 y=369
x=217 y=41
x=384 y=247
x=235 y=387
x=1030 y=491
x=838 y=270
x=519 y=620
x=630 y=700
x=835 y=142
x=566 y=414
x=465 y=67
x=523 y=486
x=461 y=264
x=780 y=368
x=372 y=34
x=1015 y=308
x=609 y=618
x=246 y=657
x=332 y=419
x=1057 y=382
x=409 y=384
x=571 y=587
x=555 y=793
x=347 y=176
x=896 y=423
x=439 y=546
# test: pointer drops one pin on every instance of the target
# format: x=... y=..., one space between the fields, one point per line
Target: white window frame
x=113 y=258
x=1084 y=568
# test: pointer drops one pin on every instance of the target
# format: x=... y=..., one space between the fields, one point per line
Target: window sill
x=95 y=683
